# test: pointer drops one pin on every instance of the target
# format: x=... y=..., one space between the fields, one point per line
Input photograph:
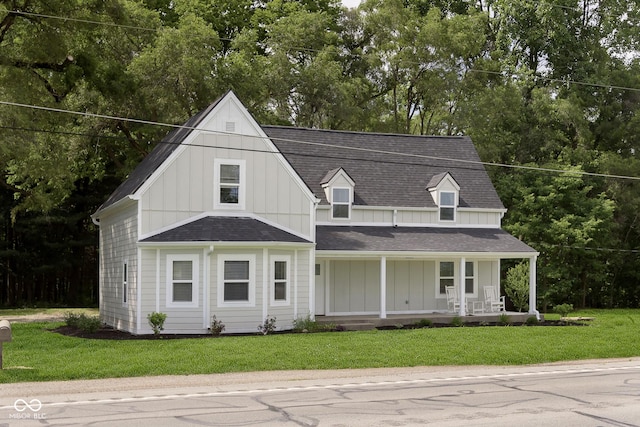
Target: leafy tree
x=517 y=286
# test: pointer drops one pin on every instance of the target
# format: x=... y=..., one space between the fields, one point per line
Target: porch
x=368 y=322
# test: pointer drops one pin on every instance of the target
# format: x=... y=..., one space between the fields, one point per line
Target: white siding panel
x=118 y=237
x=354 y=287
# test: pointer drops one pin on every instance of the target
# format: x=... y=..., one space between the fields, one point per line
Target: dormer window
x=339 y=189
x=445 y=192
x=447 y=206
x=341 y=203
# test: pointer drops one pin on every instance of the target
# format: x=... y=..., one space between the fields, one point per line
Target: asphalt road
x=592 y=393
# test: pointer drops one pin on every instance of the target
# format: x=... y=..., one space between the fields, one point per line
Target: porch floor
x=367 y=322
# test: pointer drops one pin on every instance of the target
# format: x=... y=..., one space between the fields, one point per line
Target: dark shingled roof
x=383 y=178
x=156 y=157
x=226 y=229
x=427 y=239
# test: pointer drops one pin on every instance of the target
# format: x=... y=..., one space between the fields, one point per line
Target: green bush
x=72 y=319
x=89 y=324
x=457 y=322
x=424 y=323
x=306 y=324
x=156 y=321
x=563 y=309
x=532 y=321
x=503 y=320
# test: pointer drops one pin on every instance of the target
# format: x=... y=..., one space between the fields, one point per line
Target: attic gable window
x=230 y=184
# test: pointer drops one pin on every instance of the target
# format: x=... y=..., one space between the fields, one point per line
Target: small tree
x=517 y=286
x=156 y=321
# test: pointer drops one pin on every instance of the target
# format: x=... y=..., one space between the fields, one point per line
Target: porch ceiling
x=419 y=239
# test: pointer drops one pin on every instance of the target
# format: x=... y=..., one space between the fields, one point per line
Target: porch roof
x=225 y=229
x=419 y=239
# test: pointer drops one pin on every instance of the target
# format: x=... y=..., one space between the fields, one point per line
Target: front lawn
x=37 y=354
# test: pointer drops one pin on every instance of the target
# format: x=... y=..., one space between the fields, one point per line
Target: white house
x=229 y=218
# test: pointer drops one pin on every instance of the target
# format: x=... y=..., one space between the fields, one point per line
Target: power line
x=355 y=149
x=549 y=79
x=84 y=21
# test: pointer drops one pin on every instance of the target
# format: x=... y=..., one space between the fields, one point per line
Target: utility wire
x=355 y=149
x=561 y=81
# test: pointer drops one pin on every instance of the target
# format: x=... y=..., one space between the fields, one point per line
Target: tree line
x=552 y=85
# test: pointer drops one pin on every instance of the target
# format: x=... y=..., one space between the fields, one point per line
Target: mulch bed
x=108 y=333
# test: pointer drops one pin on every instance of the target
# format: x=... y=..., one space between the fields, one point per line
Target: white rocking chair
x=492 y=301
x=453 y=302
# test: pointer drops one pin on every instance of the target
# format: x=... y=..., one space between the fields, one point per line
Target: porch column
x=383 y=287
x=532 y=285
x=461 y=287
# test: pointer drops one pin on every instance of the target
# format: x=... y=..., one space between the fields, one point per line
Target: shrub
x=89 y=324
x=563 y=309
x=306 y=324
x=424 y=323
x=532 y=321
x=216 y=327
x=156 y=321
x=457 y=322
x=503 y=320
x=268 y=326
x=72 y=319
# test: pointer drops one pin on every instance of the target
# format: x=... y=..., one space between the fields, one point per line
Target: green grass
x=36 y=354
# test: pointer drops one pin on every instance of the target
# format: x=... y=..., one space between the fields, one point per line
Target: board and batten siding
x=411 y=217
x=186 y=186
x=354 y=287
x=118 y=245
x=411 y=285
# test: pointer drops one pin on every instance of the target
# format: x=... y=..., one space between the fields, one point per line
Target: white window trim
x=473 y=294
x=252 y=280
x=124 y=285
x=242 y=188
x=438 y=277
x=348 y=204
x=272 y=280
x=195 y=280
x=456 y=264
x=454 y=207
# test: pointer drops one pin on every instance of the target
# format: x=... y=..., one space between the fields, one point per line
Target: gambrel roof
x=389 y=169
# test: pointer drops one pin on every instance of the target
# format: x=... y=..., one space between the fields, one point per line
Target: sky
x=351 y=3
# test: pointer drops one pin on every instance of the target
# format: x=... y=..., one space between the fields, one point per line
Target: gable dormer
x=445 y=192
x=338 y=189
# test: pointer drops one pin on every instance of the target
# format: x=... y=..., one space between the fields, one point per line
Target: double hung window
x=341 y=203
x=447 y=206
x=229 y=184
x=182 y=280
x=280 y=280
x=236 y=280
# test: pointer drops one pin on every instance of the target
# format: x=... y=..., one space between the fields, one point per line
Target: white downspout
x=532 y=286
